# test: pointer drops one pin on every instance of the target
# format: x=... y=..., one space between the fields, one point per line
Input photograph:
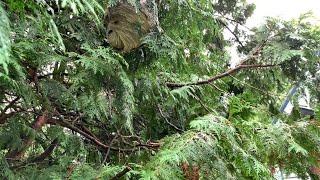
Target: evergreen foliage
x=71 y=107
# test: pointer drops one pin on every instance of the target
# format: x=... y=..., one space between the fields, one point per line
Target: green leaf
x=4 y=42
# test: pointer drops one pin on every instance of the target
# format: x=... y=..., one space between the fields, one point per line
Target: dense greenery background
x=71 y=107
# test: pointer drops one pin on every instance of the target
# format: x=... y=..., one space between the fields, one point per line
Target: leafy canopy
x=72 y=107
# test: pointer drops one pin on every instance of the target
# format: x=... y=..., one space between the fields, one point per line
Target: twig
x=254 y=53
x=86 y=130
x=221 y=16
x=202 y=104
x=216 y=87
x=150 y=144
x=171 y=124
x=10 y=105
x=50 y=74
x=109 y=148
x=233 y=33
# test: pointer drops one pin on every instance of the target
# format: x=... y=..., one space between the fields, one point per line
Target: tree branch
x=47 y=152
x=252 y=54
x=219 y=76
x=39 y=122
x=3 y=115
x=41 y=157
x=121 y=173
x=88 y=136
x=233 y=33
x=165 y=118
x=108 y=151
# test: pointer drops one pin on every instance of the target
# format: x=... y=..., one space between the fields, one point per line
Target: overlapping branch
x=93 y=139
x=97 y=141
x=3 y=115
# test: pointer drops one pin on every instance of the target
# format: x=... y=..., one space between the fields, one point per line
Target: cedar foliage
x=73 y=108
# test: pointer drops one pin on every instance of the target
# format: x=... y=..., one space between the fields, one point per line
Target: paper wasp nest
x=127 y=25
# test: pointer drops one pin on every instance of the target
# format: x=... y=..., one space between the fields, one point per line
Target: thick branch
x=86 y=130
x=41 y=157
x=4 y=117
x=219 y=76
x=121 y=173
x=47 y=152
x=37 y=125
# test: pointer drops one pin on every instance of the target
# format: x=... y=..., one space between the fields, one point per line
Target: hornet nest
x=127 y=25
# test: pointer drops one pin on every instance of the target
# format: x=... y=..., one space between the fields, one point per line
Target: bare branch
x=165 y=118
x=233 y=33
x=121 y=173
x=219 y=76
x=252 y=55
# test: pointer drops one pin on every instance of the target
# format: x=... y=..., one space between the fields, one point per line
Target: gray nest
x=127 y=25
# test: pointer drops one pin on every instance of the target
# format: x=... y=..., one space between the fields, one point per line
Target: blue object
x=292 y=91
